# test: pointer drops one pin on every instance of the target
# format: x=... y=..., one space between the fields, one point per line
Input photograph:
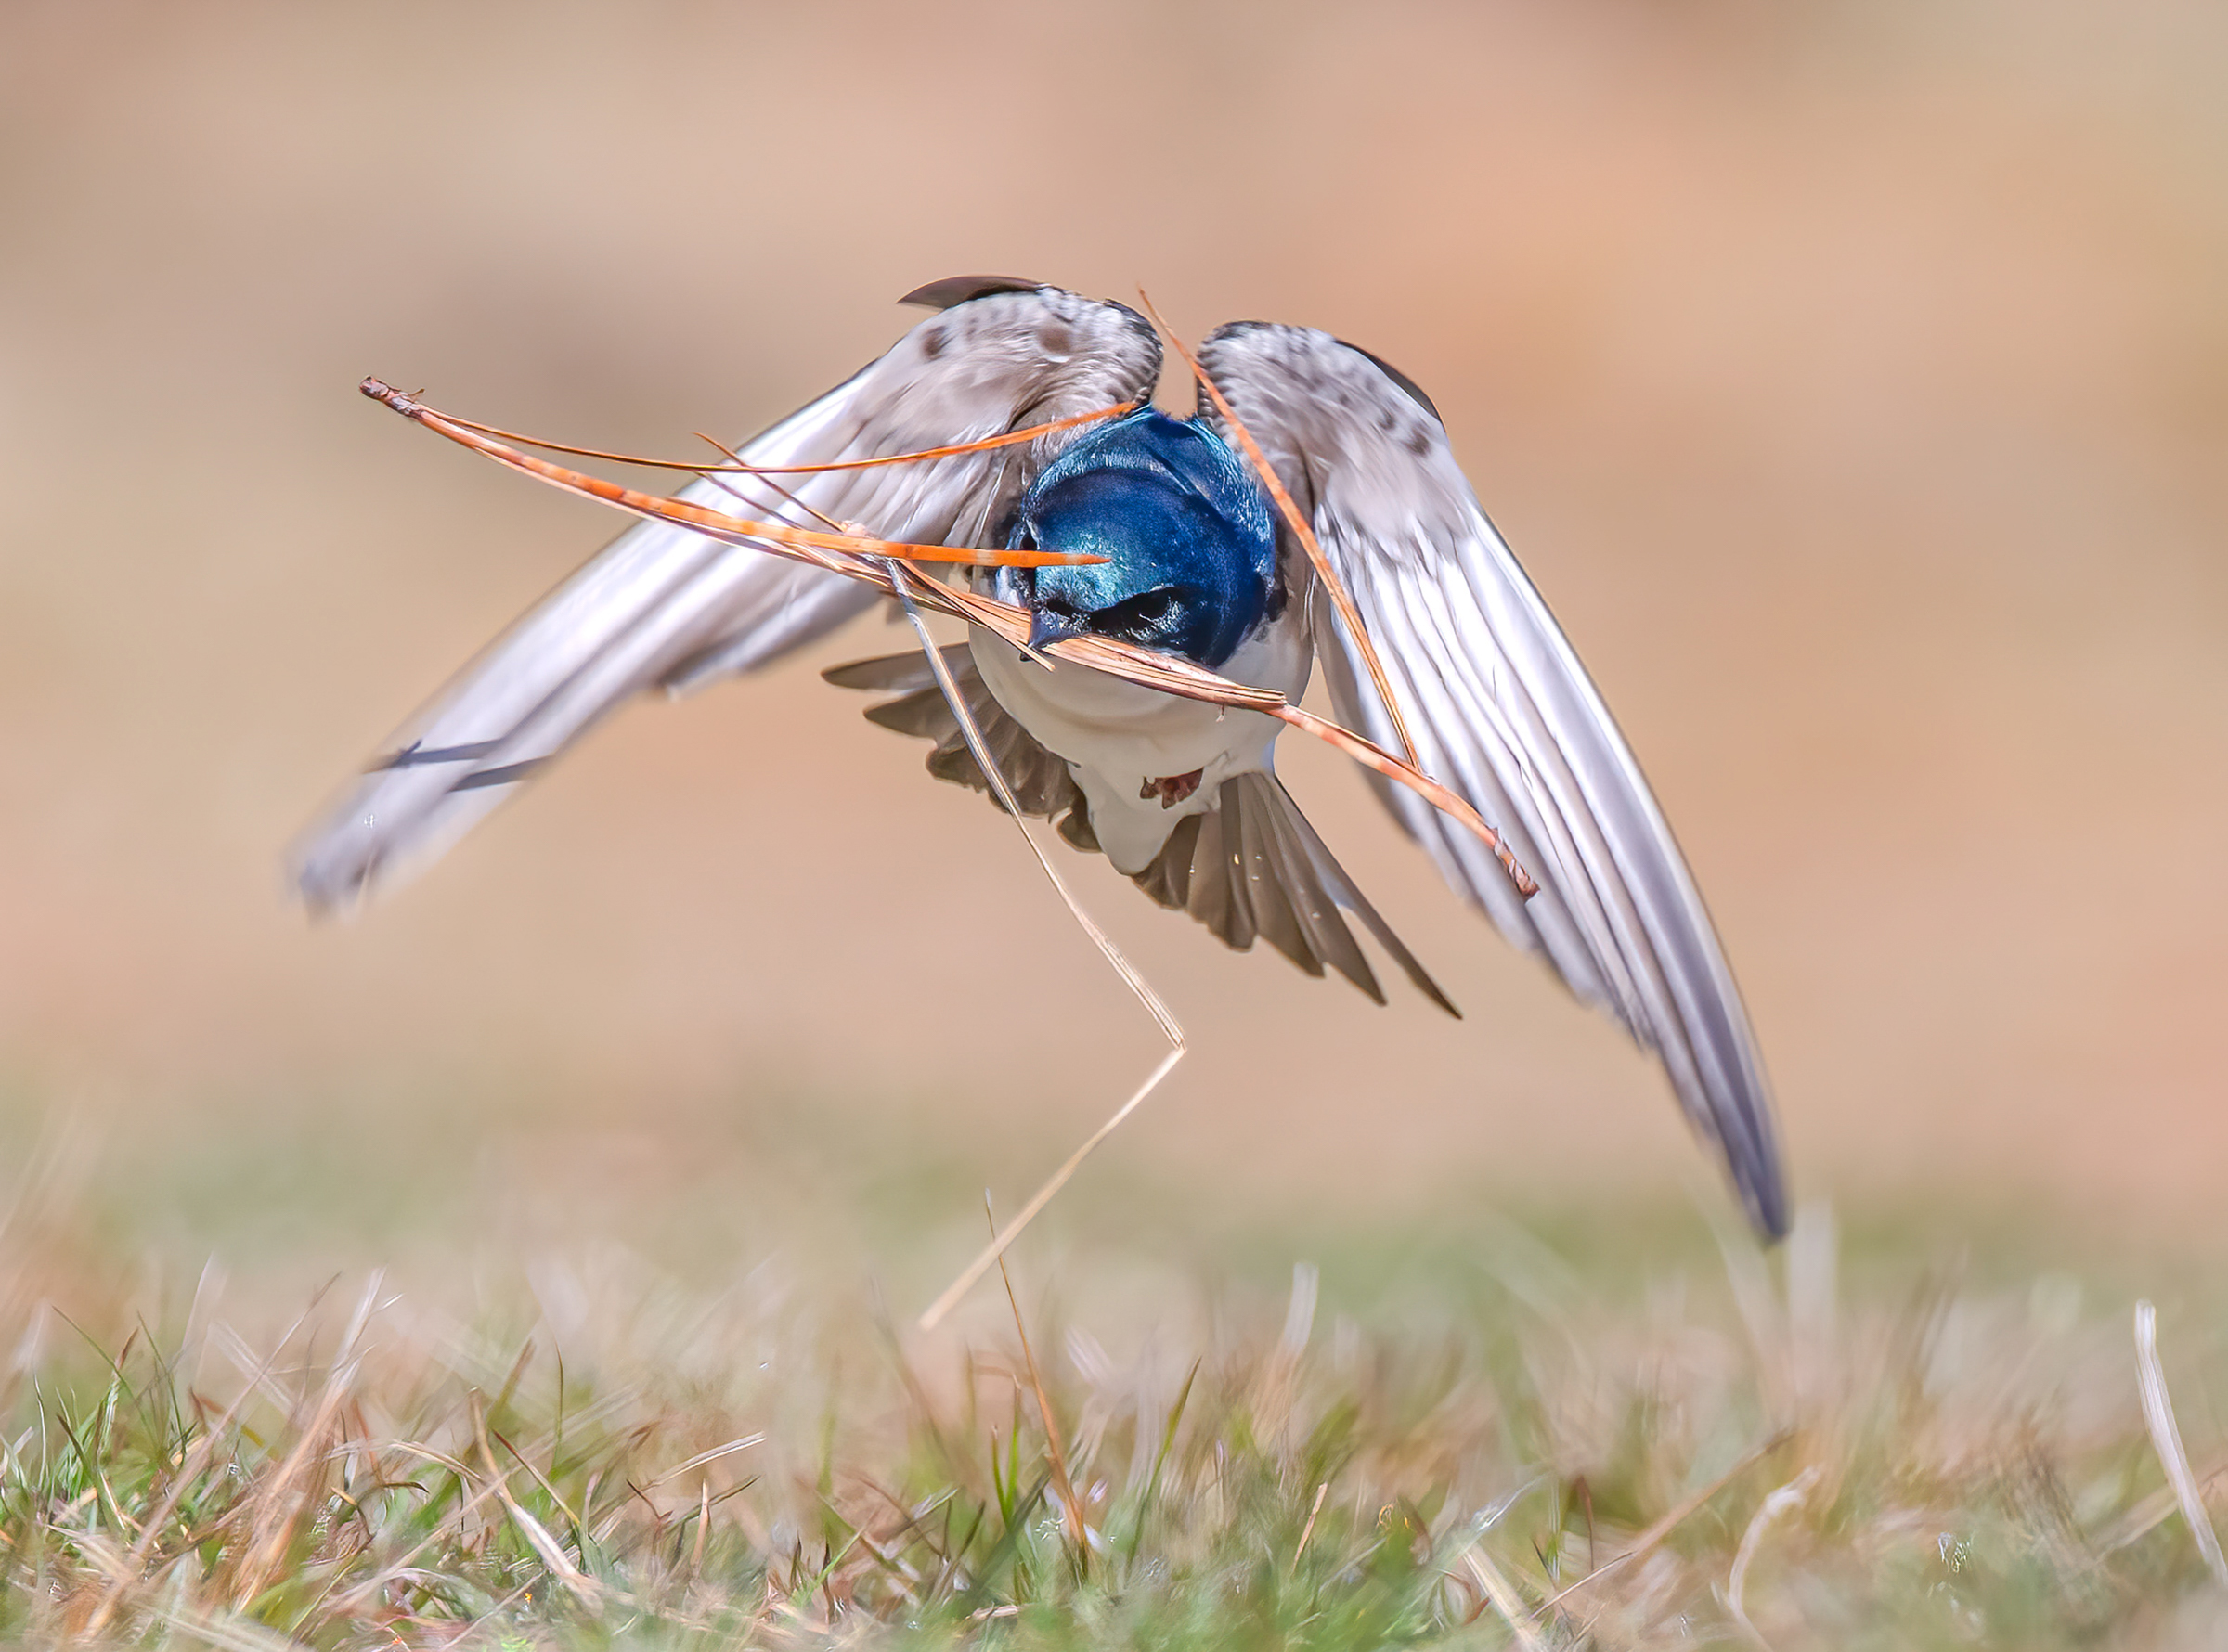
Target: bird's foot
x=1171 y=789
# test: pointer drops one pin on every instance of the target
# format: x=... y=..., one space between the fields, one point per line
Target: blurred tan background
x=1852 y=377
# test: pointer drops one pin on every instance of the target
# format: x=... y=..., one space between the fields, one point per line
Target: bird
x=1188 y=556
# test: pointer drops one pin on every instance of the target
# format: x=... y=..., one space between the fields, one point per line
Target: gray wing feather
x=1504 y=713
x=664 y=607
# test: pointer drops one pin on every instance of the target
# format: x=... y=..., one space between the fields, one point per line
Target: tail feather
x=1168 y=880
x=1038 y=779
x=1341 y=890
x=1253 y=867
x=902 y=673
x=1249 y=867
x=1313 y=906
x=1261 y=874
x=1216 y=898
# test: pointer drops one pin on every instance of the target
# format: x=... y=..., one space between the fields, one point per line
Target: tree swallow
x=1182 y=797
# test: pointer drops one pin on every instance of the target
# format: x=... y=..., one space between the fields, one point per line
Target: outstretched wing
x=661 y=606
x=1503 y=712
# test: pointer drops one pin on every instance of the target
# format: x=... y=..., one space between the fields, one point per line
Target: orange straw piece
x=1009 y=439
x=698 y=516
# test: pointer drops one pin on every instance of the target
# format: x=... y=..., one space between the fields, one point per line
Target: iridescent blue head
x=1187 y=532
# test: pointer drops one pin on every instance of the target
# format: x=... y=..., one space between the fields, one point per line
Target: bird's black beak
x=1048 y=627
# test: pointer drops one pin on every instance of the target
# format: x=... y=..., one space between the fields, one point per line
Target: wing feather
x=664 y=607
x=1504 y=713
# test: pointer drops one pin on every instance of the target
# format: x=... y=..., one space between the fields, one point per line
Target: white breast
x=1117 y=737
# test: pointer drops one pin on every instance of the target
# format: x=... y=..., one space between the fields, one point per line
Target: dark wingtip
x=1761 y=1182
x=957 y=290
x=1415 y=390
x=1769 y=1212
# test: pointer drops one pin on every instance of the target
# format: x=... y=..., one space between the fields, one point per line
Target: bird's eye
x=1138 y=616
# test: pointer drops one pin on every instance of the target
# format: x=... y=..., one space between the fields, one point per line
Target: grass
x=1504 y=1441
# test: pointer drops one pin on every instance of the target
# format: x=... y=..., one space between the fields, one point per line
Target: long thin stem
x=2166 y=1438
x=1006 y=439
x=905 y=580
x=1071 y=1505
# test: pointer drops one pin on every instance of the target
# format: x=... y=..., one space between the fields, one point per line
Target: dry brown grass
x=1494 y=1447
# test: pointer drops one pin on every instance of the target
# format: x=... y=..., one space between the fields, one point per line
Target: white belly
x=1118 y=738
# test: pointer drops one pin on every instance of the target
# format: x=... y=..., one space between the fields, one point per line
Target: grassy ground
x=1609 y=1430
